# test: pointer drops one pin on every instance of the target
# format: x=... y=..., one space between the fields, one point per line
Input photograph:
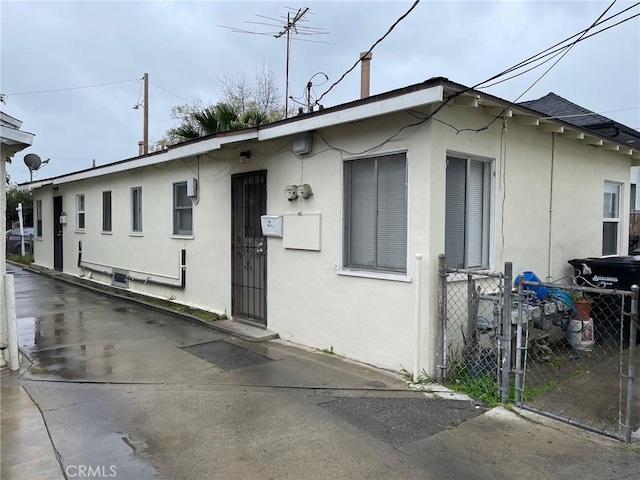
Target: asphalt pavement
x=113 y=389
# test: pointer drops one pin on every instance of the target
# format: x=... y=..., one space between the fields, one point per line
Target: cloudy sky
x=52 y=45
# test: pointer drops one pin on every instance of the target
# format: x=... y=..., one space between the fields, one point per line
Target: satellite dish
x=32 y=161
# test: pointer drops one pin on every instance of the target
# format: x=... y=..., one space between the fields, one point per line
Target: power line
x=556 y=51
x=547 y=52
x=168 y=91
x=70 y=88
x=415 y=4
x=584 y=32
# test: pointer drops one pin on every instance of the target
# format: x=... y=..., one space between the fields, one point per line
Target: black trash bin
x=618 y=273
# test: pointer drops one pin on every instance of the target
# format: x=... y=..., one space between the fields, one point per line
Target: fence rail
x=562 y=349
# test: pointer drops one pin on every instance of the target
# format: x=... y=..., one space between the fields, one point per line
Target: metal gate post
x=631 y=374
x=519 y=360
x=506 y=333
x=442 y=314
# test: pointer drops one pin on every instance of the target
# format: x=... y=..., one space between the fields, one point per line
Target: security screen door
x=248 y=247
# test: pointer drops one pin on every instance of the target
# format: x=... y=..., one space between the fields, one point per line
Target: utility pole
x=145 y=134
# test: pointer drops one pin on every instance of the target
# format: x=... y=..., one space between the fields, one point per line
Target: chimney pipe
x=365 y=73
x=140 y=148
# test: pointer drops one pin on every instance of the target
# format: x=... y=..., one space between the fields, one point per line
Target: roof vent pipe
x=365 y=73
x=140 y=148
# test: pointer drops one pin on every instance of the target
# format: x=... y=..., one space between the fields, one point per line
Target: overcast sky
x=56 y=45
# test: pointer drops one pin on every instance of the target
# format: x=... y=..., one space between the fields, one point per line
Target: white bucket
x=582 y=334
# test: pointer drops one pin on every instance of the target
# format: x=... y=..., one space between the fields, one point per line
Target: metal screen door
x=248 y=247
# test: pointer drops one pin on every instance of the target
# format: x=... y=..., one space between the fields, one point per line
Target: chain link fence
x=567 y=351
x=473 y=343
x=575 y=355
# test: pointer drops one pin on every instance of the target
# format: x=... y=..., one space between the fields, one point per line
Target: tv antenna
x=292 y=24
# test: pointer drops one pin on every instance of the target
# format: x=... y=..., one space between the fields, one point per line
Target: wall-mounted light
x=244 y=156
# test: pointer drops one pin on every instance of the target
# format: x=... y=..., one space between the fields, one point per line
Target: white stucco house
x=428 y=169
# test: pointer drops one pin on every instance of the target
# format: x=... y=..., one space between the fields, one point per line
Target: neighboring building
x=431 y=168
x=12 y=140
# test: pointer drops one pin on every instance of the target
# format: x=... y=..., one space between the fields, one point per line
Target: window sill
x=394 y=277
x=79 y=231
x=39 y=239
x=136 y=234
x=106 y=233
x=182 y=237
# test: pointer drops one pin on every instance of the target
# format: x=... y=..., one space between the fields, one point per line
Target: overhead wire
x=415 y=4
x=168 y=91
x=70 y=88
x=446 y=101
x=580 y=34
x=558 y=50
x=512 y=103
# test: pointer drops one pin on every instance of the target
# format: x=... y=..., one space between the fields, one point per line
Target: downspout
x=553 y=151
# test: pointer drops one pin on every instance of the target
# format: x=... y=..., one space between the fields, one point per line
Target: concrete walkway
x=122 y=391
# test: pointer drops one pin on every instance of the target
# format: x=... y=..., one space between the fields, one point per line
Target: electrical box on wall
x=271 y=225
x=192 y=187
x=302 y=143
x=63 y=219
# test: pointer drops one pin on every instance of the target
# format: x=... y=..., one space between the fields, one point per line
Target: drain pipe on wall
x=416 y=359
x=553 y=152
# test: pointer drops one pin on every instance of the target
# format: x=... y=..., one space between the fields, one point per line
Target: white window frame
x=612 y=219
x=38 y=219
x=349 y=268
x=136 y=209
x=81 y=218
x=488 y=212
x=176 y=208
x=110 y=212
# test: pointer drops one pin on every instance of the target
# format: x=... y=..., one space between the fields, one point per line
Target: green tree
x=15 y=196
x=242 y=104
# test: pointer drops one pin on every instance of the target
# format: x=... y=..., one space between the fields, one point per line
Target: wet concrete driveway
x=122 y=391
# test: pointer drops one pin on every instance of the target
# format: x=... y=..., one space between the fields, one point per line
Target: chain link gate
x=475 y=339
x=575 y=355
x=572 y=347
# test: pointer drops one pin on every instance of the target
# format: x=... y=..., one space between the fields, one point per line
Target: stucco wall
x=309 y=301
x=524 y=194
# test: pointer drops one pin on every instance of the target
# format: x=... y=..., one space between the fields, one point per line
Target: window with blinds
x=376 y=213
x=467 y=212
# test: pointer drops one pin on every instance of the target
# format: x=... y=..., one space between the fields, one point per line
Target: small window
x=611 y=218
x=106 y=211
x=467 y=212
x=80 y=212
x=375 y=229
x=136 y=209
x=182 y=210
x=632 y=198
x=39 y=218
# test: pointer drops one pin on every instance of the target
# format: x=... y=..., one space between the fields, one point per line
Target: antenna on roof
x=292 y=24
